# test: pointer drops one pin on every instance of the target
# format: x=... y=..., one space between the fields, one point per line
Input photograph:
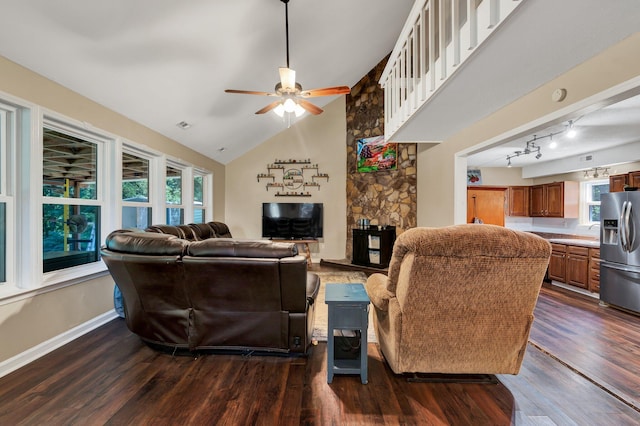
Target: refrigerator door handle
x=627 y=227
x=623 y=232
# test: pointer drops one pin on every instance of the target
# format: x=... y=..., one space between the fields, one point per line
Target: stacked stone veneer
x=385 y=197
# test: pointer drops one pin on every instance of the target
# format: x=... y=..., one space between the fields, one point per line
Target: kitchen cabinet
x=594 y=270
x=634 y=179
x=557 y=262
x=578 y=266
x=518 y=200
x=486 y=203
x=617 y=182
x=557 y=199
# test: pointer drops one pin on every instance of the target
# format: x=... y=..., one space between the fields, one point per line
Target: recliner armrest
x=376 y=287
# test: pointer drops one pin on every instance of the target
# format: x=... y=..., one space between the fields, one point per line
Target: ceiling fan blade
x=250 y=92
x=268 y=108
x=287 y=78
x=309 y=107
x=326 y=91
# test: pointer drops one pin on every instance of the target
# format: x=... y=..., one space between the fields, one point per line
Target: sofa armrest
x=376 y=287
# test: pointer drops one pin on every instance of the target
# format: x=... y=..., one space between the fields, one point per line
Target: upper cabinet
x=518 y=200
x=617 y=182
x=557 y=199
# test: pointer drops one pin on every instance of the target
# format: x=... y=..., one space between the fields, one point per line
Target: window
x=199 y=204
x=175 y=209
x=70 y=208
x=73 y=184
x=591 y=191
x=136 y=206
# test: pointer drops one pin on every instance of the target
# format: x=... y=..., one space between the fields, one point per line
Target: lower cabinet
x=558 y=263
x=575 y=265
x=594 y=270
x=578 y=266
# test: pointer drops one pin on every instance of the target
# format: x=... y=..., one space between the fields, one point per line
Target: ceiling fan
x=289 y=91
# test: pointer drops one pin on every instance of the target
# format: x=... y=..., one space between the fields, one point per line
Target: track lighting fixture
x=530 y=148
x=596 y=173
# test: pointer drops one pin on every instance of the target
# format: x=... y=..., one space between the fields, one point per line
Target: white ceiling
x=615 y=125
x=160 y=62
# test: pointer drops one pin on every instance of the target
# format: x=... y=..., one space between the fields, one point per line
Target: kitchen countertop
x=570 y=239
x=576 y=242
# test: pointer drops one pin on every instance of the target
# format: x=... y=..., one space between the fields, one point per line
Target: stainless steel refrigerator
x=620 y=250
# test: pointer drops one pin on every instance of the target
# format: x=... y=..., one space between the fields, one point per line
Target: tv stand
x=305 y=243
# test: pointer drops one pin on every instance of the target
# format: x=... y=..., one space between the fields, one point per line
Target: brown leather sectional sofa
x=185 y=288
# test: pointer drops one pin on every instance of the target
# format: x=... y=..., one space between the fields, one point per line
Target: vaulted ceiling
x=161 y=62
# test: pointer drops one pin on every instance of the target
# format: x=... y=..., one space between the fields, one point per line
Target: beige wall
x=615 y=66
x=503 y=176
x=33 y=320
x=320 y=138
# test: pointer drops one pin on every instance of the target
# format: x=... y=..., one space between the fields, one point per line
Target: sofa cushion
x=146 y=243
x=226 y=247
x=202 y=231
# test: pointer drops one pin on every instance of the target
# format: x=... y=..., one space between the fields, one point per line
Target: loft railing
x=437 y=38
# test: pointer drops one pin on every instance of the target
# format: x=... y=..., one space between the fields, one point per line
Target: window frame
x=186 y=189
x=205 y=195
x=103 y=141
x=21 y=189
x=9 y=125
x=152 y=158
x=586 y=202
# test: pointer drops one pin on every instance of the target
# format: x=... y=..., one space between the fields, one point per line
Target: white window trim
x=8 y=143
x=207 y=180
x=105 y=150
x=585 y=200
x=21 y=190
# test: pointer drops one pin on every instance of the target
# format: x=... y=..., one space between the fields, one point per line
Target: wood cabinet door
x=488 y=204
x=594 y=270
x=578 y=270
x=557 y=263
x=518 y=201
x=634 y=179
x=554 y=194
x=617 y=182
x=536 y=200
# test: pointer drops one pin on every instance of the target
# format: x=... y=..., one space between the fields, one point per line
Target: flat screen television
x=291 y=221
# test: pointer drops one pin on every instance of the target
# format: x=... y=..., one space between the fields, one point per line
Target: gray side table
x=348 y=306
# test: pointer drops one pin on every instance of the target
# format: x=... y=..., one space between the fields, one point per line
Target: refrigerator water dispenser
x=610 y=232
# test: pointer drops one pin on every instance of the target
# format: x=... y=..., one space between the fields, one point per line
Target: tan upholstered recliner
x=459 y=299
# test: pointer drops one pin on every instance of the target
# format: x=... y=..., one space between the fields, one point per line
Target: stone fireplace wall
x=383 y=197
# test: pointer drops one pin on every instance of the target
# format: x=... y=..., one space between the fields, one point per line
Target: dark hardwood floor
x=582 y=368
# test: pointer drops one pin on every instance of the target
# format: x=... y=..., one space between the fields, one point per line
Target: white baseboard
x=54 y=343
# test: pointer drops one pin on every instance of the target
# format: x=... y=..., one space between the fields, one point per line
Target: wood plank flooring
x=586 y=374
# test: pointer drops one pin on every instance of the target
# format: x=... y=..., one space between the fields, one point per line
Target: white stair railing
x=437 y=38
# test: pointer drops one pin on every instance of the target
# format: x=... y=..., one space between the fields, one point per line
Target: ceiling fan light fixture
x=298 y=111
x=289 y=105
x=279 y=110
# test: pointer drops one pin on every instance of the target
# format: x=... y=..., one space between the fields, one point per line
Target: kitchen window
x=590 y=200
